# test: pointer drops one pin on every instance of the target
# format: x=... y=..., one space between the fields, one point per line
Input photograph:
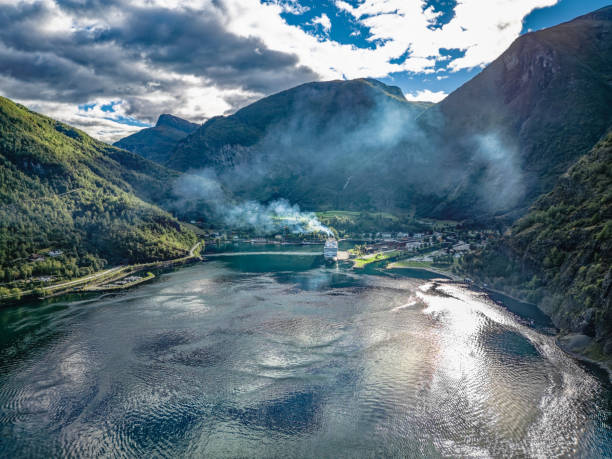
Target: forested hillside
x=62 y=191
x=559 y=254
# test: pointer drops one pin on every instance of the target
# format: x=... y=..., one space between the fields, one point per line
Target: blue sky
x=112 y=67
x=538 y=19
x=345 y=30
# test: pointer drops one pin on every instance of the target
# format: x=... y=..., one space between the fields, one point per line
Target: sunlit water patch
x=279 y=355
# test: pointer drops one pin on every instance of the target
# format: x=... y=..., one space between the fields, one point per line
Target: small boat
x=330 y=251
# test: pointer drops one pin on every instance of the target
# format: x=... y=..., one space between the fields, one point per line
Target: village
x=113 y=278
x=427 y=246
x=441 y=247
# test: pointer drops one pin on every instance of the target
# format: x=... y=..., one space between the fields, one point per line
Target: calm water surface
x=276 y=355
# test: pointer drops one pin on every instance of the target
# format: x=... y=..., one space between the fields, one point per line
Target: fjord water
x=276 y=355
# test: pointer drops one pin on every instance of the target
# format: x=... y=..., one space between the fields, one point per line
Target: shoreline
x=102 y=278
x=606 y=366
x=580 y=356
x=450 y=275
x=95 y=282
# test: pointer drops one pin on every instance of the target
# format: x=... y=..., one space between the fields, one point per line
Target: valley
x=258 y=254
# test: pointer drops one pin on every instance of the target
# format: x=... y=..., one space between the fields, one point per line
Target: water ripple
x=210 y=361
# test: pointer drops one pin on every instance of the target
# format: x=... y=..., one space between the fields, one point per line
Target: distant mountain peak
x=319 y=106
x=392 y=90
x=155 y=143
x=168 y=120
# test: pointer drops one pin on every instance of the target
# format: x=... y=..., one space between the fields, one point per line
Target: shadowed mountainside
x=315 y=107
x=543 y=103
x=321 y=145
x=489 y=149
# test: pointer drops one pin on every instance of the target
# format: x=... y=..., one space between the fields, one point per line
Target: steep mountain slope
x=319 y=144
x=61 y=189
x=559 y=255
x=529 y=115
x=157 y=143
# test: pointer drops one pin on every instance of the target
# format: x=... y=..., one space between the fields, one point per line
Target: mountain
x=489 y=149
x=321 y=145
x=300 y=114
x=157 y=142
x=62 y=190
x=528 y=115
x=559 y=254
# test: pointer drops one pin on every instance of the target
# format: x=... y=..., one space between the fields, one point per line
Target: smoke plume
x=201 y=191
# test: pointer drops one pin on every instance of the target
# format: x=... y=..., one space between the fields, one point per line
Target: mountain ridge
x=155 y=142
x=207 y=146
x=495 y=144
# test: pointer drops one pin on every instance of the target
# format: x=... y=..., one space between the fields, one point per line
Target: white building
x=413 y=245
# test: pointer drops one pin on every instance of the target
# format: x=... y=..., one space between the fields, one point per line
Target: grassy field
x=355 y=215
x=411 y=264
x=337 y=213
x=361 y=262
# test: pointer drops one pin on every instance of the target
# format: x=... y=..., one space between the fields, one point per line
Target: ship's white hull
x=330 y=251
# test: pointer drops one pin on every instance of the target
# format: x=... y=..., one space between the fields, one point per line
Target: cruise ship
x=330 y=251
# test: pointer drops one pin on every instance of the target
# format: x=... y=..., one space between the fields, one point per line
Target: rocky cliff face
x=289 y=119
x=305 y=143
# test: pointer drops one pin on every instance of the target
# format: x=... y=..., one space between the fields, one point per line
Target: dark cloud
x=191 y=42
x=133 y=55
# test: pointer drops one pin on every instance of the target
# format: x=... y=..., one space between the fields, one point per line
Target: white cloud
x=481 y=29
x=93 y=121
x=323 y=21
x=426 y=96
x=328 y=58
x=293 y=7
